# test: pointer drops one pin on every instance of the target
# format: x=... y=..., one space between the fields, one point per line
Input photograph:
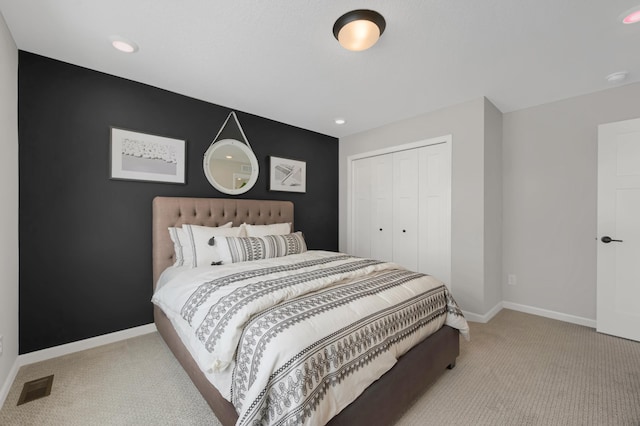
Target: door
x=382 y=207
x=405 y=209
x=361 y=222
x=434 y=226
x=618 y=240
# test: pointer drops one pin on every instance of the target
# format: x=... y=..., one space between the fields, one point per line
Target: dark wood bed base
x=383 y=402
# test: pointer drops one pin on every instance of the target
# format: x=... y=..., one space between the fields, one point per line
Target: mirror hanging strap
x=226 y=131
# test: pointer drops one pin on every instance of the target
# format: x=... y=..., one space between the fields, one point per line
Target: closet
x=400 y=206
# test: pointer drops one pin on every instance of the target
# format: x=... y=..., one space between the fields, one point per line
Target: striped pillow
x=244 y=249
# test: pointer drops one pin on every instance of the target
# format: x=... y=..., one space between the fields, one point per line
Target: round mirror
x=230 y=166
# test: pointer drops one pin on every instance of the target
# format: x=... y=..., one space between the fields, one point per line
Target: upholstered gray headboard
x=175 y=211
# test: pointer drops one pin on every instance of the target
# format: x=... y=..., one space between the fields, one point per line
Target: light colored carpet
x=519 y=369
x=133 y=382
x=522 y=369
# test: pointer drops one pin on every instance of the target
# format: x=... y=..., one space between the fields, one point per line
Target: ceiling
x=278 y=59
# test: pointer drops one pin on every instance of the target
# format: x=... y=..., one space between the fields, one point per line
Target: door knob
x=607 y=239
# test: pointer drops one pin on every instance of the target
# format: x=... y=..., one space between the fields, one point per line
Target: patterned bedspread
x=294 y=340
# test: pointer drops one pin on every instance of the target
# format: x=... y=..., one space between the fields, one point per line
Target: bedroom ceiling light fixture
x=359 y=29
x=631 y=16
x=123 y=44
x=339 y=121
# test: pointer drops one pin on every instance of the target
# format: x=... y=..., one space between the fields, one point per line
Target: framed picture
x=144 y=157
x=287 y=175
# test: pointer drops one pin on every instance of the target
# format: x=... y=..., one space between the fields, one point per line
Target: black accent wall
x=85 y=240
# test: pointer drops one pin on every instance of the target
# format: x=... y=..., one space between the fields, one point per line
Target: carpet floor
x=518 y=369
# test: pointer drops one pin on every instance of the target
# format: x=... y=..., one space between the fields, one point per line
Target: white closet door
x=405 y=208
x=434 y=226
x=361 y=198
x=382 y=207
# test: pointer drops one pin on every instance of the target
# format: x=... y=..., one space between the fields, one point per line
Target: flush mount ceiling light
x=359 y=29
x=340 y=121
x=631 y=16
x=123 y=44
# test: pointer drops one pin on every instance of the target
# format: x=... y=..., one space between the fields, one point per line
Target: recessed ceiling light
x=340 y=121
x=617 y=77
x=123 y=44
x=631 y=16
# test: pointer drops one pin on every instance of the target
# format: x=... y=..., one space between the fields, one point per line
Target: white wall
x=9 y=210
x=466 y=123
x=492 y=206
x=549 y=198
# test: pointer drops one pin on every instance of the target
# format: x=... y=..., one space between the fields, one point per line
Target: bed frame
x=383 y=402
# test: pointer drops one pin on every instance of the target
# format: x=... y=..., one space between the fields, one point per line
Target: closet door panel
x=405 y=209
x=361 y=208
x=401 y=208
x=434 y=224
x=382 y=207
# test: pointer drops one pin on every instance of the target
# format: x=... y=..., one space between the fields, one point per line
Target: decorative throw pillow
x=179 y=241
x=243 y=249
x=262 y=230
x=182 y=247
x=202 y=241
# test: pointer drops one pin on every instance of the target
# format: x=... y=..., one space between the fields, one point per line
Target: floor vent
x=36 y=389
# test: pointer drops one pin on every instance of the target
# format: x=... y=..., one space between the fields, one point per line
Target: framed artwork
x=144 y=157
x=287 y=175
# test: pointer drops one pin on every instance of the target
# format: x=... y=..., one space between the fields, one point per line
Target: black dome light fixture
x=359 y=29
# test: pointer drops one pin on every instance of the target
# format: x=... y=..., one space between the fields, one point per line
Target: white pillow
x=179 y=245
x=243 y=249
x=203 y=242
x=182 y=247
x=262 y=230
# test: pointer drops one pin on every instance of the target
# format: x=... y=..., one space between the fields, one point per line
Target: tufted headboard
x=175 y=211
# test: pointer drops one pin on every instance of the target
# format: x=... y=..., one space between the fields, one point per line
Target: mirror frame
x=255 y=169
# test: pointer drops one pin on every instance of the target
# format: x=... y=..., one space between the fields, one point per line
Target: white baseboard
x=56 y=351
x=81 y=345
x=6 y=387
x=472 y=316
x=550 y=314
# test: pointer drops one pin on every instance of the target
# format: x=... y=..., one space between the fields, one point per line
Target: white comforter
x=294 y=340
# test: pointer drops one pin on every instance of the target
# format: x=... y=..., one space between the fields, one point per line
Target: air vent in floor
x=36 y=389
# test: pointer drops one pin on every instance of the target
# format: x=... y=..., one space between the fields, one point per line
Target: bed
x=382 y=402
